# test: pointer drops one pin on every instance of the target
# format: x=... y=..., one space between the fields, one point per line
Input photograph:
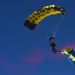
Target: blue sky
x=25 y=52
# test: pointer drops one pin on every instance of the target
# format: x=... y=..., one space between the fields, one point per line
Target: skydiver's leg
x=54 y=50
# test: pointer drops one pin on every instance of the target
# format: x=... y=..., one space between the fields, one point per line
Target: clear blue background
x=18 y=45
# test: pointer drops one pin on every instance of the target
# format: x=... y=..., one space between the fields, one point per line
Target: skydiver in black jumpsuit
x=52 y=44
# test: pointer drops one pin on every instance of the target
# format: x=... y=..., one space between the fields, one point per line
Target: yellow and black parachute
x=39 y=15
x=69 y=53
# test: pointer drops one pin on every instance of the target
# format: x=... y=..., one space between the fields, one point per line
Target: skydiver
x=53 y=44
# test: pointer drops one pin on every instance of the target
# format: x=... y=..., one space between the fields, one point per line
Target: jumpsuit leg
x=54 y=50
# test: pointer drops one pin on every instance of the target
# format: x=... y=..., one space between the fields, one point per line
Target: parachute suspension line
x=57 y=26
x=54 y=22
x=53 y=26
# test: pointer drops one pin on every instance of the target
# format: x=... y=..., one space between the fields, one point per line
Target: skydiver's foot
x=55 y=51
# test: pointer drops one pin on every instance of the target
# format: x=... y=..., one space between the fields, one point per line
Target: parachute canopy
x=70 y=54
x=39 y=15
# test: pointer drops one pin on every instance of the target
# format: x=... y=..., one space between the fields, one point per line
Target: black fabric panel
x=30 y=25
x=72 y=52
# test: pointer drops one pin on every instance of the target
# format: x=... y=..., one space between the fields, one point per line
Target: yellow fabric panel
x=39 y=15
x=65 y=51
x=68 y=49
x=70 y=56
